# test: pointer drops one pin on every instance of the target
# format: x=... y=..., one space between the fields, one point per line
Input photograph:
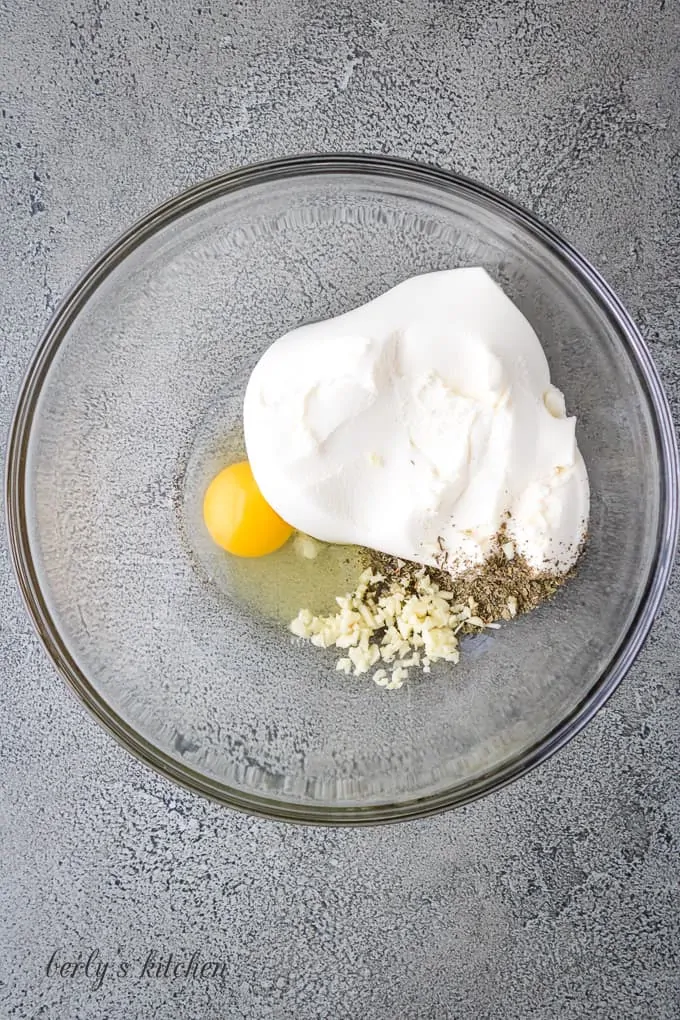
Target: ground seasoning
x=504 y=586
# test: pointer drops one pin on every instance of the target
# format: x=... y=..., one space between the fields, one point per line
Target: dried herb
x=504 y=586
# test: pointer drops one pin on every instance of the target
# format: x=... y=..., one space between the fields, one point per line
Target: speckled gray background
x=558 y=897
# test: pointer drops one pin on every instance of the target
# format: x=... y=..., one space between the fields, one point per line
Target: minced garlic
x=391 y=623
x=508 y=550
x=306 y=546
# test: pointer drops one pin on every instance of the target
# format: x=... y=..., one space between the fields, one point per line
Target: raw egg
x=238 y=517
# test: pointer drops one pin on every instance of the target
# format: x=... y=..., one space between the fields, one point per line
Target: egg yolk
x=238 y=517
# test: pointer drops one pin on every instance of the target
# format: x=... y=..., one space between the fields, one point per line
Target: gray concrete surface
x=558 y=897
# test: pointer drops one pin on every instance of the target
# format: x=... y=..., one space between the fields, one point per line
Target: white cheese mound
x=417 y=425
x=395 y=626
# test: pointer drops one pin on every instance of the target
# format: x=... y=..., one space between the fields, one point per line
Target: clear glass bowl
x=134 y=398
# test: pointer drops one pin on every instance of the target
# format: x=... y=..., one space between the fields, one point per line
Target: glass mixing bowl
x=133 y=400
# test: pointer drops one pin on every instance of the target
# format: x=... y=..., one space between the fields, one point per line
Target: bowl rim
x=345 y=164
